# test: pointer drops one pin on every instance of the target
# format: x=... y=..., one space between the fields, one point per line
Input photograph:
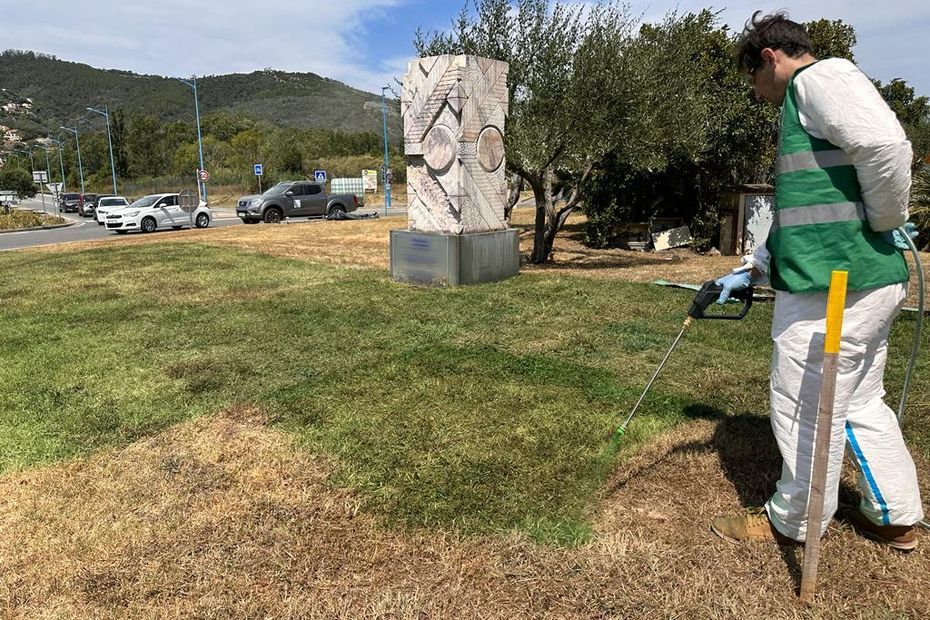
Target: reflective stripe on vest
x=819 y=223
x=807 y=160
x=819 y=214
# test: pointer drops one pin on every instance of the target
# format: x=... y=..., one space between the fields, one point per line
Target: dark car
x=86 y=204
x=293 y=199
x=69 y=202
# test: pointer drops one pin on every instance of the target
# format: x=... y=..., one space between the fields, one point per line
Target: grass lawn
x=480 y=409
x=256 y=422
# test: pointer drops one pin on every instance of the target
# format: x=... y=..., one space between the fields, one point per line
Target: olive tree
x=920 y=203
x=568 y=103
x=704 y=135
x=832 y=39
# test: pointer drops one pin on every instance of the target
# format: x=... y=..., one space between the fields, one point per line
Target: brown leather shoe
x=754 y=526
x=900 y=537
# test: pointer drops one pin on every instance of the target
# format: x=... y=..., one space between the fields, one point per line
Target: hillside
x=57 y=92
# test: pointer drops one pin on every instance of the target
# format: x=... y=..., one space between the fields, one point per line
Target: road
x=83 y=229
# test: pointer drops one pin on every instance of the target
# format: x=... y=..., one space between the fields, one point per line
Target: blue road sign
x=320 y=176
x=258 y=170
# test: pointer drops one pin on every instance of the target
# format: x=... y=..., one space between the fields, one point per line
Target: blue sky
x=367 y=43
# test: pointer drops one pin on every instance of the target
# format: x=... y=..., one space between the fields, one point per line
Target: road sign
x=204 y=176
x=53 y=187
x=320 y=176
x=187 y=200
x=40 y=176
x=370 y=180
x=258 y=170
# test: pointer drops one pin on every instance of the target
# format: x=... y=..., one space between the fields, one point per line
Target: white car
x=105 y=205
x=157 y=211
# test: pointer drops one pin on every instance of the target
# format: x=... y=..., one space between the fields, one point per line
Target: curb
x=32 y=228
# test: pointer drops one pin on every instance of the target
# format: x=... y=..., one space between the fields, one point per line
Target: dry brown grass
x=366 y=244
x=223 y=518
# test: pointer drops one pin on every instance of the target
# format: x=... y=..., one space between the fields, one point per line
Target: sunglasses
x=751 y=72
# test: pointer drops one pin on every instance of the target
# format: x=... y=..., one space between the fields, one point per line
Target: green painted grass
x=484 y=409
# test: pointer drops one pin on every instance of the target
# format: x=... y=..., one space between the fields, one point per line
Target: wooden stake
x=836 y=303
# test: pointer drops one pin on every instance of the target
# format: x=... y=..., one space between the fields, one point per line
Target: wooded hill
x=61 y=90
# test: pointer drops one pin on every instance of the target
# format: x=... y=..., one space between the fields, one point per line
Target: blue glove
x=732 y=282
x=895 y=238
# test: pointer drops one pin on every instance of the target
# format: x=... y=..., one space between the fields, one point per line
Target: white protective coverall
x=837 y=102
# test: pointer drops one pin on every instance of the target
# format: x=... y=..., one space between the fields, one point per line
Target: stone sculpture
x=454 y=109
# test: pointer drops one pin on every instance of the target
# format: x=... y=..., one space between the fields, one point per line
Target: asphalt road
x=83 y=229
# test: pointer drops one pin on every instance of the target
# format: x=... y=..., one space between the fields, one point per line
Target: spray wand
x=708 y=294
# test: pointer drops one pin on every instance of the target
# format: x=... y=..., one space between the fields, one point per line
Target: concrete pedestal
x=438 y=259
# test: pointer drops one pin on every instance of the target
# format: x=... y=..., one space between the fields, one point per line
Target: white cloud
x=334 y=38
x=181 y=38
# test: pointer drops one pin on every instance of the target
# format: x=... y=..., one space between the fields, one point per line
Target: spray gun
x=707 y=295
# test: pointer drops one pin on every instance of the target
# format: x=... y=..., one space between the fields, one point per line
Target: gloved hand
x=732 y=282
x=895 y=238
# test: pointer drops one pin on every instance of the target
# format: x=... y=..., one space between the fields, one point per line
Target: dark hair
x=775 y=31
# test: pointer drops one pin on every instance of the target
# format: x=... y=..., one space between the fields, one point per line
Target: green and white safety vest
x=819 y=222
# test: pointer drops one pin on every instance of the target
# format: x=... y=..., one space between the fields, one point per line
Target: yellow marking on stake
x=836 y=303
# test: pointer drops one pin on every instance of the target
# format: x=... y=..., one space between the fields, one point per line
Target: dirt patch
x=223 y=518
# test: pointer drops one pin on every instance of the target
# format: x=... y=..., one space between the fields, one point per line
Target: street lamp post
x=32 y=164
x=387 y=184
x=106 y=114
x=19 y=160
x=48 y=165
x=78 y=141
x=61 y=162
x=48 y=171
x=193 y=84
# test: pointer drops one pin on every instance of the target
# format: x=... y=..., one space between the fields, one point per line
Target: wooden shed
x=745 y=218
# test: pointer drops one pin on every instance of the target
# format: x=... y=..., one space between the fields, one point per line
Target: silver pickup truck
x=293 y=199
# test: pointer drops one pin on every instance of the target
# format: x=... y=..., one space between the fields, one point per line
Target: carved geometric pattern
x=454 y=110
x=439 y=148
x=457 y=98
x=490 y=148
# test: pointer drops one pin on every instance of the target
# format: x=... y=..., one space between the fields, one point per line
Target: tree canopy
x=17 y=179
x=629 y=120
x=584 y=87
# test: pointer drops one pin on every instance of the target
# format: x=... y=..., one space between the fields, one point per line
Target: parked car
x=105 y=204
x=68 y=203
x=156 y=211
x=293 y=199
x=86 y=204
x=89 y=208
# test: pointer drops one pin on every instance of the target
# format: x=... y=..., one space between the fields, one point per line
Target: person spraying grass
x=841 y=190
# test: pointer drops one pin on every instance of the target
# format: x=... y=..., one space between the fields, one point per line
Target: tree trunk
x=543 y=239
x=514 y=187
x=549 y=220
